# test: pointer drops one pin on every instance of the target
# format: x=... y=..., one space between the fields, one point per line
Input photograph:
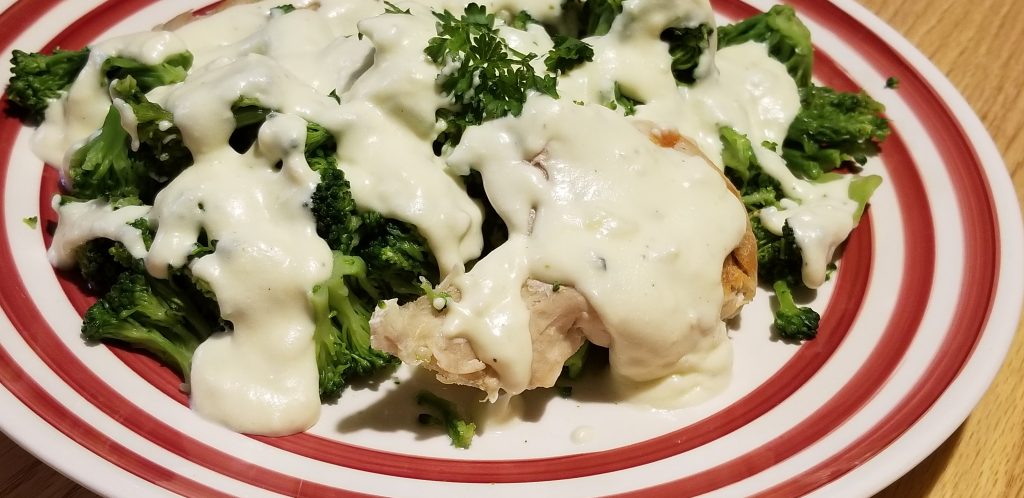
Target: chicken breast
x=560 y=320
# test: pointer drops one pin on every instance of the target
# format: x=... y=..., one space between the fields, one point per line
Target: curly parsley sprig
x=484 y=77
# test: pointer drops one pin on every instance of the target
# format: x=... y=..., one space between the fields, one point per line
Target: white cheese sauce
x=80 y=222
x=592 y=202
x=639 y=229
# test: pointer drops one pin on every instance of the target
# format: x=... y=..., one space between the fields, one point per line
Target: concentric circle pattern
x=924 y=286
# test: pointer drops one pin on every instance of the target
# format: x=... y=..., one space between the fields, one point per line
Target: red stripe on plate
x=981 y=257
x=22 y=14
x=982 y=251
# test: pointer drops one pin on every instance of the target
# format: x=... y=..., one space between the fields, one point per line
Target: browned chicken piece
x=739 y=270
x=412 y=332
x=559 y=321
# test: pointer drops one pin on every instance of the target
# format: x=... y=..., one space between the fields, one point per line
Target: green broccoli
x=793 y=323
x=158 y=316
x=395 y=253
x=686 y=45
x=788 y=39
x=149 y=76
x=103 y=167
x=460 y=430
x=757 y=188
x=338 y=220
x=833 y=128
x=37 y=79
x=593 y=17
x=573 y=366
x=620 y=99
x=161 y=147
x=780 y=262
x=397 y=256
x=342 y=334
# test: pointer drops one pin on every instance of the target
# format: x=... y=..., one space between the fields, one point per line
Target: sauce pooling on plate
x=640 y=230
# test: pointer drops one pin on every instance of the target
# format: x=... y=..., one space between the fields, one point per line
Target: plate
x=915 y=324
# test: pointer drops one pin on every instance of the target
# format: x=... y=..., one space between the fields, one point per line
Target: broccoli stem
x=793 y=323
x=460 y=430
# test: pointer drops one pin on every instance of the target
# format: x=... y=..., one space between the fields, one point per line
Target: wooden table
x=977 y=43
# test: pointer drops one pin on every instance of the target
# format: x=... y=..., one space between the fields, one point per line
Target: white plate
x=914 y=328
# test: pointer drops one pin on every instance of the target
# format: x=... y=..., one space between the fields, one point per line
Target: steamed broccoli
x=151 y=314
x=149 y=76
x=374 y=258
x=126 y=171
x=594 y=17
x=459 y=430
x=342 y=335
x=338 y=220
x=780 y=262
x=169 y=318
x=791 y=322
x=103 y=167
x=37 y=79
x=397 y=256
x=686 y=45
x=160 y=146
x=779 y=259
x=757 y=188
x=833 y=128
x=573 y=366
x=788 y=39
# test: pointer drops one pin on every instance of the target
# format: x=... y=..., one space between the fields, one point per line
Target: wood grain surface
x=977 y=44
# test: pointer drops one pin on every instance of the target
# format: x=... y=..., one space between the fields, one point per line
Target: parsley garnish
x=282 y=9
x=484 y=77
x=522 y=20
x=628 y=104
x=892 y=83
x=567 y=54
x=31 y=221
x=391 y=8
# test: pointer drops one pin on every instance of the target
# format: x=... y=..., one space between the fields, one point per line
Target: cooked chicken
x=412 y=333
x=559 y=320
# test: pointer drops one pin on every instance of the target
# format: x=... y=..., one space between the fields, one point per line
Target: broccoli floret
x=460 y=430
x=103 y=168
x=573 y=366
x=37 y=79
x=149 y=76
x=793 y=323
x=155 y=315
x=757 y=188
x=160 y=144
x=788 y=39
x=621 y=100
x=397 y=256
x=110 y=166
x=779 y=261
x=832 y=128
x=594 y=17
x=338 y=220
x=686 y=45
x=342 y=334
